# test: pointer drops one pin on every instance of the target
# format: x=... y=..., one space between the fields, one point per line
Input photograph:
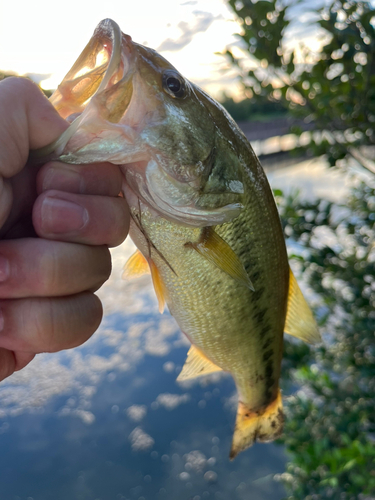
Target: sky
x=43 y=38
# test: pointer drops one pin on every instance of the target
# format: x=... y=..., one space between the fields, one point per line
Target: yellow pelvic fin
x=136 y=266
x=264 y=425
x=300 y=321
x=213 y=248
x=196 y=364
x=160 y=290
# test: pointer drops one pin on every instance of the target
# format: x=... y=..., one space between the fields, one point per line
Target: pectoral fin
x=160 y=289
x=136 y=266
x=196 y=364
x=300 y=321
x=213 y=248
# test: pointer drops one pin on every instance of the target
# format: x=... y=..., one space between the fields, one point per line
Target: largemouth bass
x=203 y=216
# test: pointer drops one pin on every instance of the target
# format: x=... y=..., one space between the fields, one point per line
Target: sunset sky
x=44 y=38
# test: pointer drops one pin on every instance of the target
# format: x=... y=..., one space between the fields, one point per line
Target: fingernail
x=64 y=180
x=4 y=268
x=62 y=216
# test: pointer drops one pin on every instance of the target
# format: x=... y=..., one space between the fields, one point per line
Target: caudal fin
x=251 y=426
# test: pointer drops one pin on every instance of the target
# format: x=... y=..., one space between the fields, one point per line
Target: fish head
x=130 y=106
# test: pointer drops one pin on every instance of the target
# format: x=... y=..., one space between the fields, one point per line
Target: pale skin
x=56 y=224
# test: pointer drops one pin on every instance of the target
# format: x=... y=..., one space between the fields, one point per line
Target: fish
x=203 y=217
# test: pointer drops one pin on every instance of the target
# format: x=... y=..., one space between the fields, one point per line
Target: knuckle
x=15 y=85
x=47 y=325
x=50 y=271
x=43 y=325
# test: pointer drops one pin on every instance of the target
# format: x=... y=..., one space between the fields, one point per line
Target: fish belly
x=239 y=330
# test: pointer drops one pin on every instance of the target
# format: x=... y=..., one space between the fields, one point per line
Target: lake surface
x=107 y=420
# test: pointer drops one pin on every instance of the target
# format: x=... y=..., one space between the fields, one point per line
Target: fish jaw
x=172 y=199
x=106 y=101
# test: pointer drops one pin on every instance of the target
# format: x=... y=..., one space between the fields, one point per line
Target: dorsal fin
x=160 y=289
x=300 y=321
x=196 y=364
x=213 y=248
x=136 y=266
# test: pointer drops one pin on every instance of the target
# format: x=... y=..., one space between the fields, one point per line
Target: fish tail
x=265 y=425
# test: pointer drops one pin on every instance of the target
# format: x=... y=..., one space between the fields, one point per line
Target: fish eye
x=174 y=84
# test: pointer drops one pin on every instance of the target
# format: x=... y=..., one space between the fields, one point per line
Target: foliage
x=330 y=425
x=333 y=87
x=249 y=110
x=4 y=74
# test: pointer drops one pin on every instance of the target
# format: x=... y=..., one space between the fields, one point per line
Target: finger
x=92 y=220
x=100 y=178
x=11 y=362
x=28 y=121
x=33 y=267
x=7 y=363
x=49 y=324
x=6 y=197
x=23 y=359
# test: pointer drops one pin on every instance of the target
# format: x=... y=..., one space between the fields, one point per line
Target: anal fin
x=136 y=266
x=265 y=425
x=300 y=321
x=196 y=364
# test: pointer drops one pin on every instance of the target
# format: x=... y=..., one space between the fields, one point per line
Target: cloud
x=171 y=401
x=195 y=461
x=136 y=412
x=169 y=366
x=140 y=441
x=188 y=31
x=131 y=330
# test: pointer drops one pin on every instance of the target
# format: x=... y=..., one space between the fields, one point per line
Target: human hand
x=56 y=224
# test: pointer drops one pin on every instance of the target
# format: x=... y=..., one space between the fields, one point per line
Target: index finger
x=27 y=121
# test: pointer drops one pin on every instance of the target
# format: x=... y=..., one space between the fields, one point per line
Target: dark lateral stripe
x=269 y=378
x=267 y=354
x=267 y=343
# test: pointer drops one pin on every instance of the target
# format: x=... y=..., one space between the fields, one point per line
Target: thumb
x=27 y=121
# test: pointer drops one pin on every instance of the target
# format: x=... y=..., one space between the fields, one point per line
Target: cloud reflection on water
x=113 y=405
x=111 y=349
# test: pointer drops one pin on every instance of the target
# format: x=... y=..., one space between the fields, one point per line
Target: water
x=107 y=421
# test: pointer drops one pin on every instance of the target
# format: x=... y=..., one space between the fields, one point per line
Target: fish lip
x=108 y=42
x=87 y=80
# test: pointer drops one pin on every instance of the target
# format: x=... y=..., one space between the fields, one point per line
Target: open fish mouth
x=101 y=78
x=127 y=105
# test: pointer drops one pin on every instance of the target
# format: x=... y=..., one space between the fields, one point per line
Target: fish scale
x=203 y=216
x=200 y=287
